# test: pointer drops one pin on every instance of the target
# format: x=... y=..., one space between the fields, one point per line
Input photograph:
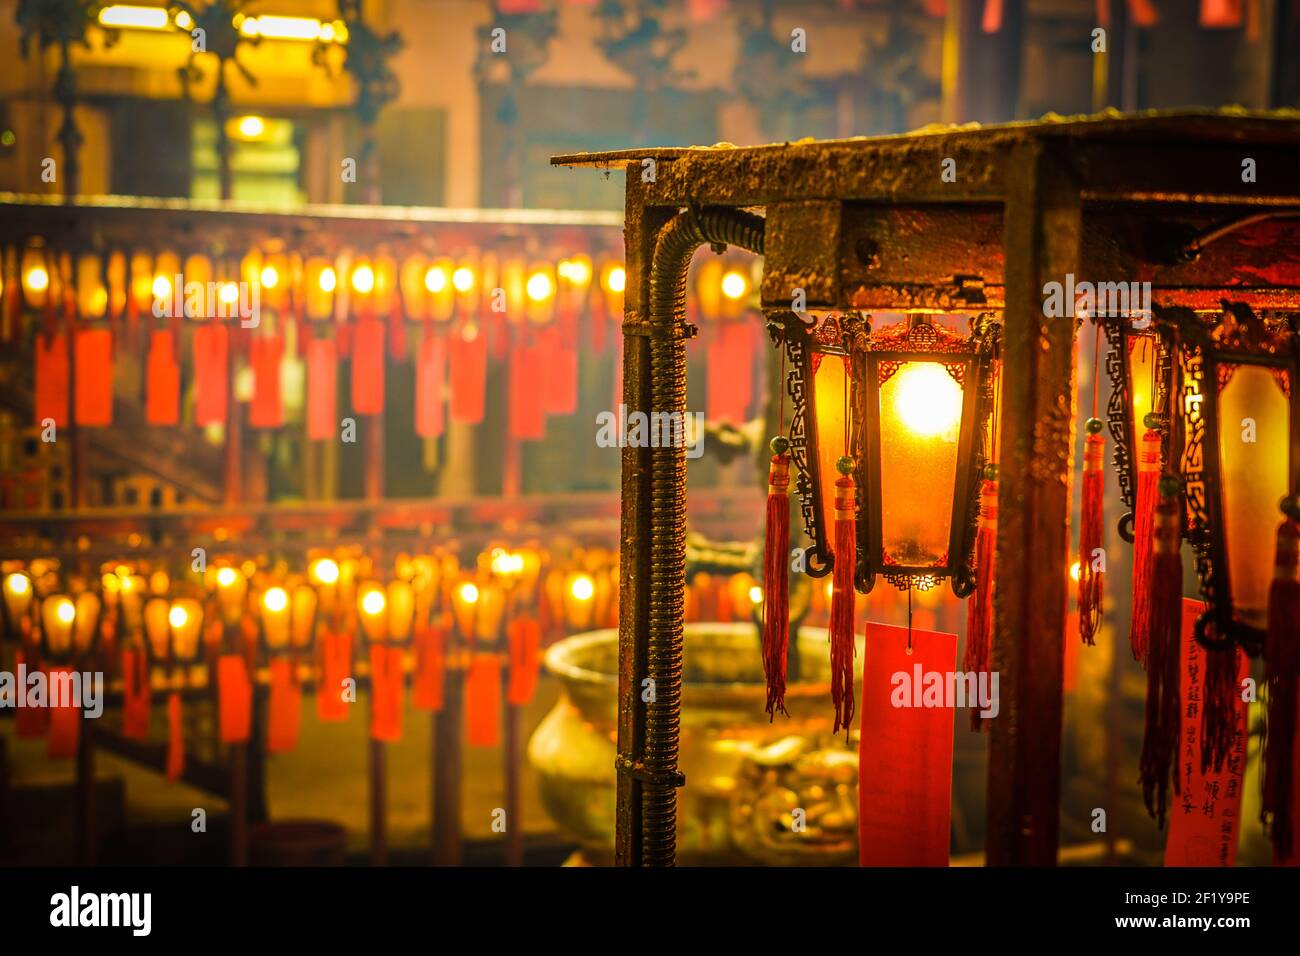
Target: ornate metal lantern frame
x=873 y=357
x=1209 y=350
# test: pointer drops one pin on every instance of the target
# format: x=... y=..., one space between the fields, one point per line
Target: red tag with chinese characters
x=368 y=367
x=285 y=708
x=430 y=669
x=93 y=402
x=468 y=375
x=386 y=687
x=211 y=373
x=135 y=694
x=234 y=699
x=264 y=355
x=162 y=402
x=430 y=378
x=65 y=717
x=1205 y=816
x=322 y=390
x=52 y=378
x=905 y=749
x=525 y=635
x=483 y=701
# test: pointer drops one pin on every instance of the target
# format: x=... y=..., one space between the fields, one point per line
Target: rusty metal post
x=1041 y=239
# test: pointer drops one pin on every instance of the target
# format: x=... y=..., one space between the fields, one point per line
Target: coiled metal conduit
x=675 y=246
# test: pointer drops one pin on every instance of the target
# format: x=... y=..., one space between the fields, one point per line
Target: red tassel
x=234 y=699
x=1282 y=674
x=285 y=708
x=842 y=601
x=979 y=612
x=1160 y=739
x=135 y=694
x=776 y=581
x=1148 y=480
x=1090 y=594
x=175 y=738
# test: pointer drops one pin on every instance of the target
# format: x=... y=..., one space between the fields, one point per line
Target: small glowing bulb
x=326 y=571
x=468 y=593
x=226 y=577
x=328 y=280
x=275 y=600
x=539 y=287
x=373 y=602
x=65 y=612
x=928 y=400
x=363 y=279
x=162 y=287
x=270 y=278
x=18 y=584
x=38 y=280
x=229 y=293
x=582 y=588
x=734 y=285
x=435 y=280
x=617 y=281
x=577 y=271
x=251 y=127
x=177 y=616
x=184 y=20
x=463 y=279
x=755 y=595
x=1075 y=571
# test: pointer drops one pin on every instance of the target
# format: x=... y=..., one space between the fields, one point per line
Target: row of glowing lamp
x=120 y=16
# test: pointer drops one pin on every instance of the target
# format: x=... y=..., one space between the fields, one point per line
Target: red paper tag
x=385 y=693
x=527 y=411
x=430 y=378
x=430 y=669
x=29 y=722
x=335 y=668
x=162 y=380
x=1070 y=659
x=1221 y=13
x=234 y=699
x=483 y=701
x=285 y=708
x=468 y=374
x=93 y=402
x=368 y=367
x=211 y=373
x=175 y=738
x=525 y=635
x=266 y=409
x=322 y=390
x=52 y=378
x=135 y=694
x=905 y=749
x=560 y=370
x=1206 y=815
x=65 y=717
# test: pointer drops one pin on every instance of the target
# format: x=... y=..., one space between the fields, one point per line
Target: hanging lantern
x=232 y=588
x=17 y=603
x=58 y=616
x=372 y=606
x=276 y=620
x=400 y=600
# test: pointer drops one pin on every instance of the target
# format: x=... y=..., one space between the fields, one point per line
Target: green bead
x=1169 y=485
x=779 y=445
x=844 y=465
x=1094 y=426
x=1152 y=420
x=991 y=471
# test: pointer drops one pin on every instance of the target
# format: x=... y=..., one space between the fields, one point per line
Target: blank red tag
x=430 y=669
x=285 y=708
x=211 y=373
x=905 y=752
x=560 y=369
x=234 y=699
x=336 y=667
x=430 y=379
x=525 y=636
x=93 y=402
x=1206 y=815
x=264 y=354
x=175 y=738
x=1221 y=13
x=162 y=380
x=468 y=375
x=322 y=390
x=368 y=367
x=527 y=410
x=52 y=378
x=483 y=701
x=385 y=693
x=65 y=719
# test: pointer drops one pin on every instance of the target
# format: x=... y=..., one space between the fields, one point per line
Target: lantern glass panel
x=1141 y=376
x=920 y=418
x=1254 y=467
x=831 y=381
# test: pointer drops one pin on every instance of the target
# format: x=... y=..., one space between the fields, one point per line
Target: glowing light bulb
x=617 y=280
x=229 y=293
x=325 y=571
x=576 y=271
x=270 y=278
x=251 y=127
x=65 y=612
x=177 y=617
x=1075 y=570
x=539 y=287
x=363 y=279
x=928 y=400
x=18 y=584
x=756 y=595
x=373 y=603
x=38 y=280
x=468 y=593
x=226 y=577
x=583 y=588
x=275 y=600
x=435 y=280
x=734 y=285
x=462 y=279
x=162 y=287
x=328 y=280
